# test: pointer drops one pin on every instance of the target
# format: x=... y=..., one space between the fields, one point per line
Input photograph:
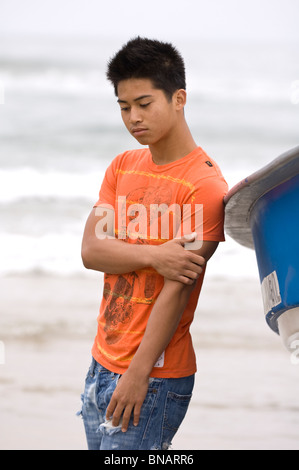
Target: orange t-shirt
x=136 y=188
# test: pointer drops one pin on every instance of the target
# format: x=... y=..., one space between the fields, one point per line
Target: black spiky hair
x=148 y=58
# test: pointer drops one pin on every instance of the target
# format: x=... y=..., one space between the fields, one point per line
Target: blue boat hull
x=262 y=213
x=274 y=221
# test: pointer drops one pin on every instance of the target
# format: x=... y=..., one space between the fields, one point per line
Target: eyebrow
x=136 y=99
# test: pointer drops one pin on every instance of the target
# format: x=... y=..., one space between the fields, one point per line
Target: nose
x=135 y=115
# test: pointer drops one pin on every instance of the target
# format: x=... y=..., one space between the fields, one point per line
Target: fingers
x=198 y=261
x=121 y=414
x=193 y=266
x=137 y=411
x=127 y=415
x=190 y=274
x=192 y=256
x=116 y=410
x=190 y=269
x=186 y=238
x=126 y=418
x=185 y=280
x=110 y=409
x=189 y=237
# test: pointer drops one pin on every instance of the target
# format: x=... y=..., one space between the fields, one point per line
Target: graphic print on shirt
x=119 y=308
x=141 y=216
x=119 y=299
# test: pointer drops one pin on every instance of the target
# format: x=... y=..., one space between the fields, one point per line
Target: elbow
x=86 y=256
x=93 y=256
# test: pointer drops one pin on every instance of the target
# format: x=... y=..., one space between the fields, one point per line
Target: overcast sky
x=211 y=19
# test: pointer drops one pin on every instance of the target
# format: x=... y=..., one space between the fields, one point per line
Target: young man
x=153 y=203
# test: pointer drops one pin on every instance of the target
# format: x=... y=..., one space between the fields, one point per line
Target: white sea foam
x=21 y=183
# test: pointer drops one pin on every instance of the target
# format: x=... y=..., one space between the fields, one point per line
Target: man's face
x=147 y=114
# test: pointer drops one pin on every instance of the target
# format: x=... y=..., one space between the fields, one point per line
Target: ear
x=180 y=99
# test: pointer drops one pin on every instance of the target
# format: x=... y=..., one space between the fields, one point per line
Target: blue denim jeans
x=162 y=412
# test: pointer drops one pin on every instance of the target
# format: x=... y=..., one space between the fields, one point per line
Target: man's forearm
x=162 y=324
x=115 y=256
x=101 y=251
x=132 y=387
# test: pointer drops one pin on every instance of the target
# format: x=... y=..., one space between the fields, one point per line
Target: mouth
x=138 y=131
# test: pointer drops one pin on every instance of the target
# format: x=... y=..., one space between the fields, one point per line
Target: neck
x=175 y=146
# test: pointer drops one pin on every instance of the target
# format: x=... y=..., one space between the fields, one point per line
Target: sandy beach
x=246 y=393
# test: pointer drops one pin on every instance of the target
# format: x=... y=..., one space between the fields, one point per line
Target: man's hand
x=128 y=397
x=175 y=263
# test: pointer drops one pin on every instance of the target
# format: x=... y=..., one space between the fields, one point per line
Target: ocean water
x=60 y=127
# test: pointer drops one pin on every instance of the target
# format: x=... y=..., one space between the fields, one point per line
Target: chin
x=143 y=141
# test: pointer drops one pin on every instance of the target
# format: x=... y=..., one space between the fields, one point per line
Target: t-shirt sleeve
x=107 y=194
x=211 y=195
x=207 y=209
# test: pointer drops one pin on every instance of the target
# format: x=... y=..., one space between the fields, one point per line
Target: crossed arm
x=181 y=269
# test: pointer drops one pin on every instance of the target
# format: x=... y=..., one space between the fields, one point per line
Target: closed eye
x=127 y=108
